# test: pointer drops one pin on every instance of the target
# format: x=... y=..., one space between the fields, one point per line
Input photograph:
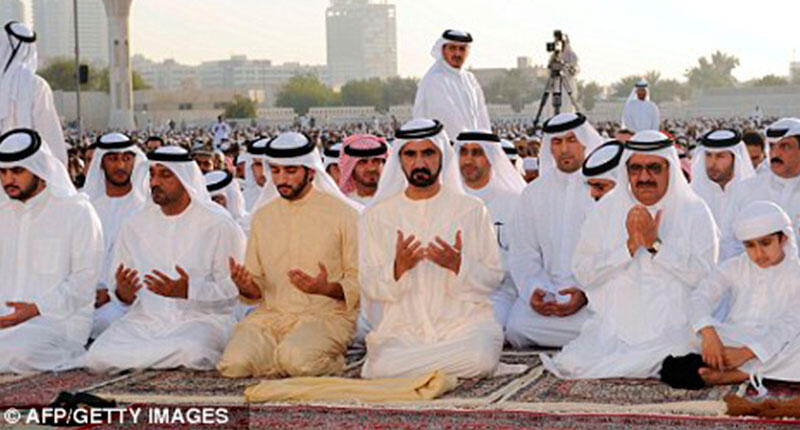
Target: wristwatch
x=655 y=247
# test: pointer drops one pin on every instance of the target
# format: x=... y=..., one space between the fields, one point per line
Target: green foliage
x=714 y=73
x=305 y=91
x=515 y=88
x=241 y=107
x=770 y=81
x=60 y=74
x=588 y=93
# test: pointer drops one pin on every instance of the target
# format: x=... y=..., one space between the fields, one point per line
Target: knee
x=486 y=355
x=514 y=332
x=297 y=360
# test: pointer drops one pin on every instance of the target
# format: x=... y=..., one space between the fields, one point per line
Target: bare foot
x=719 y=377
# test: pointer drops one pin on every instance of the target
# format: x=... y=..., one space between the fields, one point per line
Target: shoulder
x=337 y=206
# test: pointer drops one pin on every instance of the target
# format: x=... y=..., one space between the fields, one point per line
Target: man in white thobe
x=25 y=98
x=487 y=173
x=171 y=267
x=52 y=250
x=601 y=168
x=550 y=308
x=641 y=251
x=639 y=112
x=780 y=185
x=220 y=130
x=450 y=93
x=428 y=254
x=115 y=184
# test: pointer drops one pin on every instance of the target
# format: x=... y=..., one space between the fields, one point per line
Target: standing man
x=429 y=256
x=641 y=252
x=25 y=98
x=116 y=186
x=171 y=269
x=450 y=93
x=639 y=112
x=52 y=248
x=220 y=130
x=487 y=173
x=360 y=166
x=301 y=269
x=550 y=308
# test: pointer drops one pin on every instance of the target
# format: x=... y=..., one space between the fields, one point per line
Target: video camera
x=557 y=45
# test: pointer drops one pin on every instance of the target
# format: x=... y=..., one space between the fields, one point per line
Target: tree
x=60 y=74
x=398 y=91
x=304 y=91
x=367 y=92
x=716 y=72
x=514 y=87
x=588 y=94
x=241 y=107
x=770 y=81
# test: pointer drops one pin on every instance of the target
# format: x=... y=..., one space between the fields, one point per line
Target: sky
x=613 y=38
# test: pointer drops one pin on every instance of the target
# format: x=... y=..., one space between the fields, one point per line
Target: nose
x=760 y=254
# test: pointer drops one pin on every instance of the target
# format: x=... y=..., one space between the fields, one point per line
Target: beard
x=291 y=192
x=422 y=177
x=119 y=173
x=24 y=193
x=365 y=182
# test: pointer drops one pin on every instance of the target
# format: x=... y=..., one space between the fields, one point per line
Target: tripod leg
x=548 y=88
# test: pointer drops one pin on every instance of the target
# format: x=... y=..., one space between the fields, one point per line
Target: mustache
x=156 y=188
x=776 y=160
x=421 y=170
x=646 y=184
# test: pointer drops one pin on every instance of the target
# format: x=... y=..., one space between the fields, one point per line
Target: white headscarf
x=558 y=126
x=641 y=83
x=621 y=199
x=761 y=218
x=18 y=62
x=456 y=37
x=179 y=161
x=393 y=180
x=530 y=163
x=253 y=152
x=604 y=162
x=778 y=129
x=742 y=166
x=110 y=143
x=22 y=147
x=289 y=141
x=233 y=195
x=331 y=155
x=504 y=175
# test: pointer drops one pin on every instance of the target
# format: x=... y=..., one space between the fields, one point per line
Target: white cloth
x=52 y=249
x=717 y=198
x=252 y=191
x=25 y=98
x=762 y=314
x=234 y=200
x=95 y=185
x=639 y=115
x=452 y=96
x=431 y=318
x=161 y=332
x=545 y=233
x=220 y=130
x=640 y=303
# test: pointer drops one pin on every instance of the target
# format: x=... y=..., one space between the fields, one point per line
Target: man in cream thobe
x=170 y=266
x=300 y=268
x=52 y=250
x=429 y=256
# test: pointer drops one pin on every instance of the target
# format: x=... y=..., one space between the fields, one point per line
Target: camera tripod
x=557 y=83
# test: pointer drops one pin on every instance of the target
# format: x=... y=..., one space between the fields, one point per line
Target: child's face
x=766 y=251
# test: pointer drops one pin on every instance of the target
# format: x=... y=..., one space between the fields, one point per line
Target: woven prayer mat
x=40 y=389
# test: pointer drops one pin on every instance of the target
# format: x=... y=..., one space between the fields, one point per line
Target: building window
x=185 y=106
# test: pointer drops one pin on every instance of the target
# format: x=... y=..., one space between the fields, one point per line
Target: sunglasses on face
x=652 y=168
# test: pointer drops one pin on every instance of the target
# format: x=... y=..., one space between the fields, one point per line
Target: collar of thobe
x=301 y=202
x=32 y=203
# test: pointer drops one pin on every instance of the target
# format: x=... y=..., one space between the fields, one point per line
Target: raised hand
x=128 y=284
x=308 y=284
x=22 y=312
x=445 y=255
x=408 y=252
x=163 y=285
x=243 y=280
